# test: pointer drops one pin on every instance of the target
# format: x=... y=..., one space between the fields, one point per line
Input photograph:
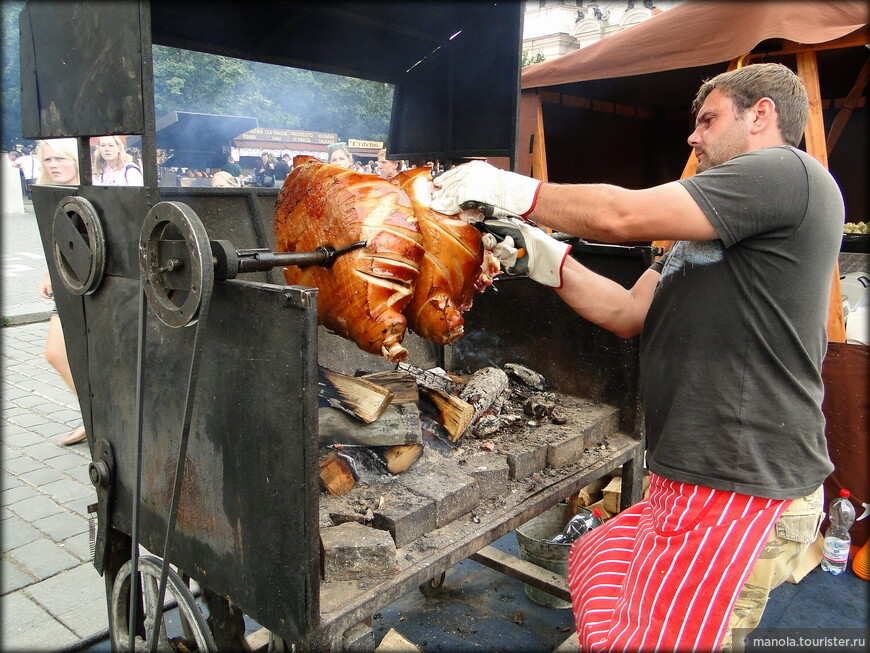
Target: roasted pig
x=454 y=267
x=362 y=296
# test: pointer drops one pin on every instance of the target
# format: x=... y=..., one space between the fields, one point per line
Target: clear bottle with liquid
x=584 y=521
x=841 y=516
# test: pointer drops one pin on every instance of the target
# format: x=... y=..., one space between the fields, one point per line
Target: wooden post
x=808 y=71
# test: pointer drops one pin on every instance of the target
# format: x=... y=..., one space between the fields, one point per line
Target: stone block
x=43 y=558
x=597 y=424
x=16 y=532
x=28 y=627
x=352 y=551
x=13 y=578
x=525 y=461
x=490 y=470
x=405 y=515
x=453 y=492
x=62 y=526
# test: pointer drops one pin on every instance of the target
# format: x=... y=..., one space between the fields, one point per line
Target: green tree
x=279 y=97
x=528 y=60
x=10 y=87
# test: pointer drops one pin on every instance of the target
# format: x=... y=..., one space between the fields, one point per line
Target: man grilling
x=733 y=333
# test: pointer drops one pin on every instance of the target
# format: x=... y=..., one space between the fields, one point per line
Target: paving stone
x=16 y=532
x=8 y=482
x=21 y=465
x=79 y=471
x=491 y=471
x=42 y=476
x=23 y=439
x=76 y=597
x=352 y=551
x=13 y=578
x=51 y=430
x=43 y=558
x=27 y=419
x=12 y=393
x=29 y=400
x=79 y=546
x=44 y=450
x=28 y=627
x=10 y=453
x=62 y=526
x=9 y=428
x=35 y=508
x=66 y=490
x=16 y=494
x=71 y=461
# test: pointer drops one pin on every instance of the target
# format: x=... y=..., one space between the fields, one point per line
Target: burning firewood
x=486 y=387
x=450 y=411
x=399 y=458
x=401 y=384
x=358 y=397
x=337 y=475
x=436 y=379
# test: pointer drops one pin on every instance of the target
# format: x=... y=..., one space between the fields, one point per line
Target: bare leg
x=55 y=354
x=55 y=351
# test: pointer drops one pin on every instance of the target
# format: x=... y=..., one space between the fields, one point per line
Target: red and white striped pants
x=664 y=574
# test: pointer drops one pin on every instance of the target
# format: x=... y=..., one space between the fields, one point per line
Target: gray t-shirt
x=732 y=346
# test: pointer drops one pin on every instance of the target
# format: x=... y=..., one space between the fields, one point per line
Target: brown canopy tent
x=617 y=111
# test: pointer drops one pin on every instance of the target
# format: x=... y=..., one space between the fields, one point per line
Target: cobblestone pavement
x=52 y=597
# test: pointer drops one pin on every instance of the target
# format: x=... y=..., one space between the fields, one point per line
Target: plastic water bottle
x=585 y=520
x=841 y=516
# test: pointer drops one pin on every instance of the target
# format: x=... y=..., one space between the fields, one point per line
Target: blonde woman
x=59 y=160
x=112 y=164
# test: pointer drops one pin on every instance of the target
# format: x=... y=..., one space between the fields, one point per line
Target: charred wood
x=399 y=424
x=362 y=399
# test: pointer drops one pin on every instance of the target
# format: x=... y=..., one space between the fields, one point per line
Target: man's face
x=388 y=169
x=720 y=134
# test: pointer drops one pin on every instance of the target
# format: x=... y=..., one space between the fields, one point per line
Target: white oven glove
x=525 y=249
x=508 y=193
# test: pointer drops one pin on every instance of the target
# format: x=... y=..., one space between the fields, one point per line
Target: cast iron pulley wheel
x=195 y=635
x=433 y=585
x=79 y=245
x=175 y=262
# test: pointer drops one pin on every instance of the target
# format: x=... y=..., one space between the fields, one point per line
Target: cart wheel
x=199 y=636
x=433 y=585
x=175 y=263
x=79 y=245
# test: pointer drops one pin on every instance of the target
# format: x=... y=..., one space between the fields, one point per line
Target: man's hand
x=525 y=249
x=509 y=193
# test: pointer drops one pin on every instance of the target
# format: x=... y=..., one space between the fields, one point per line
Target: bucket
x=531 y=538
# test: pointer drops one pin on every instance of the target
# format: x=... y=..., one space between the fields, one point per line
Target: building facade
x=555 y=27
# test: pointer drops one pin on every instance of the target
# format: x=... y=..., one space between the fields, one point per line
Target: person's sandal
x=73 y=437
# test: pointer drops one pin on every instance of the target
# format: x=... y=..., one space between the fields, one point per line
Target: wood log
x=484 y=387
x=434 y=379
x=449 y=411
x=395 y=642
x=336 y=475
x=399 y=458
x=399 y=424
x=362 y=399
x=401 y=384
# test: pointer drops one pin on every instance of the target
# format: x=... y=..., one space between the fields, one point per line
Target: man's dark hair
x=747 y=85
